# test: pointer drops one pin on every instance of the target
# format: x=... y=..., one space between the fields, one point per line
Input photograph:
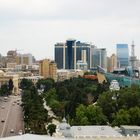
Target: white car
x=20 y=132
x=12 y=131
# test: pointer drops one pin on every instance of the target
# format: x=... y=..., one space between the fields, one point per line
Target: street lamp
x=114 y=86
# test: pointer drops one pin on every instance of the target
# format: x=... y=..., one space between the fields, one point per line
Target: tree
x=26 y=84
x=107 y=104
x=46 y=84
x=51 y=129
x=90 y=115
x=4 y=90
x=122 y=117
x=95 y=115
x=10 y=86
x=134 y=115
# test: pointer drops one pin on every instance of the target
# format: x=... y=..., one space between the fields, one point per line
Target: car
x=18 y=103
x=20 y=132
x=2 y=107
x=5 y=98
x=12 y=131
x=2 y=120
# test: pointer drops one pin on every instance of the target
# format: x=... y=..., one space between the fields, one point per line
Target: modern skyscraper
x=67 y=54
x=99 y=58
x=122 y=55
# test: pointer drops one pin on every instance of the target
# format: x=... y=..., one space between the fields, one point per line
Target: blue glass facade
x=59 y=57
x=71 y=53
x=99 y=57
x=122 y=55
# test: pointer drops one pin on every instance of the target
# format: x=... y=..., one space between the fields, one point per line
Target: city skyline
x=36 y=25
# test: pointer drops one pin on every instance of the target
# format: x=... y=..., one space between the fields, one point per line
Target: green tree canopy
x=51 y=129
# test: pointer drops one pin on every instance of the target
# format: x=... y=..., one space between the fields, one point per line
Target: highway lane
x=12 y=113
x=3 y=112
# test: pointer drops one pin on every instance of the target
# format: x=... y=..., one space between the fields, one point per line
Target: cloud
x=36 y=25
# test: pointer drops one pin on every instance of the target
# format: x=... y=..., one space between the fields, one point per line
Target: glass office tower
x=99 y=58
x=122 y=55
x=68 y=54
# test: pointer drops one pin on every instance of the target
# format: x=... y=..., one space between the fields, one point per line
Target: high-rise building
x=122 y=55
x=48 y=69
x=24 y=59
x=53 y=70
x=11 y=59
x=99 y=58
x=111 y=63
x=67 y=54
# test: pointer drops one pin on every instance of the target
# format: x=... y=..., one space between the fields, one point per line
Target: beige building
x=11 y=59
x=48 y=69
x=24 y=59
x=53 y=70
x=34 y=79
x=67 y=74
x=4 y=78
x=112 y=62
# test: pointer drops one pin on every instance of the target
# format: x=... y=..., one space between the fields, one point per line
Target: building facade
x=99 y=58
x=48 y=69
x=4 y=79
x=111 y=63
x=67 y=54
x=24 y=59
x=122 y=55
x=11 y=59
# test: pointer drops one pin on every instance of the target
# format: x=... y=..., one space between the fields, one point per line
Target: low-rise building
x=5 y=77
x=64 y=74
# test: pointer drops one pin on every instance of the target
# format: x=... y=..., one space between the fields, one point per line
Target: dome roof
x=65 y=128
x=64 y=125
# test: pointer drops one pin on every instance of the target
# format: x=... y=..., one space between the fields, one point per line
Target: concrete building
x=24 y=59
x=130 y=130
x=53 y=70
x=81 y=65
x=48 y=69
x=122 y=55
x=5 y=77
x=11 y=59
x=98 y=132
x=67 y=54
x=67 y=74
x=34 y=79
x=112 y=63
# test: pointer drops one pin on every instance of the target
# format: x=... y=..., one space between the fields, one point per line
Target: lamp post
x=114 y=87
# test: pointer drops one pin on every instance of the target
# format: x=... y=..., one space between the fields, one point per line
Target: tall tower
x=122 y=55
x=133 y=58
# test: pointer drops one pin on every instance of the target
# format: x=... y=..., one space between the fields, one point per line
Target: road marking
x=6 y=120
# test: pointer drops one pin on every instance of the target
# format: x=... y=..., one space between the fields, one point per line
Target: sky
x=34 y=26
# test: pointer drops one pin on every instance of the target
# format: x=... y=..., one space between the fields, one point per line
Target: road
x=12 y=115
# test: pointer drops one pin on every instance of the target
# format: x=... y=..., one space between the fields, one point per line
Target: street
x=11 y=116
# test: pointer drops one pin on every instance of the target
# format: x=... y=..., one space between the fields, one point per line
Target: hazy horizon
x=34 y=26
